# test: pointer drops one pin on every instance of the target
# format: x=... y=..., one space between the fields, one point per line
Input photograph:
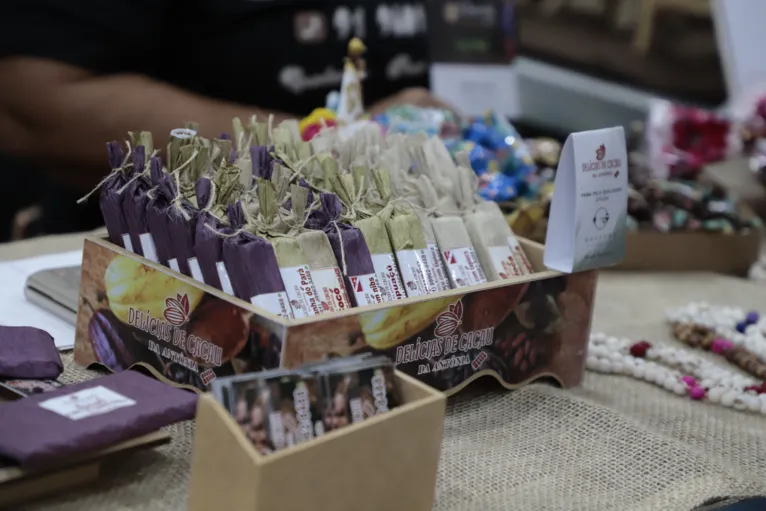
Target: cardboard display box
x=515 y=330
x=732 y=254
x=386 y=462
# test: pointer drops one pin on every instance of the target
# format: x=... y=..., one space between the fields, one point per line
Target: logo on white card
x=310 y=27
x=295 y=79
x=87 y=403
x=601 y=218
x=402 y=66
x=610 y=166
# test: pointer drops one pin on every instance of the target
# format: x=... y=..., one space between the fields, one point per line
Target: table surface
x=612 y=443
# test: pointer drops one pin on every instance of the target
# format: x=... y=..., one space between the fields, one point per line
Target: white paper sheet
x=15 y=310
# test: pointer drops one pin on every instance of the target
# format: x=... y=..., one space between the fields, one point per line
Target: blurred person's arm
x=52 y=112
x=65 y=91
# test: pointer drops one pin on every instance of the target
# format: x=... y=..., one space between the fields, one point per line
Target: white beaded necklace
x=677 y=370
x=727 y=322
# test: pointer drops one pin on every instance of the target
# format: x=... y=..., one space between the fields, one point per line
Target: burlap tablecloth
x=611 y=444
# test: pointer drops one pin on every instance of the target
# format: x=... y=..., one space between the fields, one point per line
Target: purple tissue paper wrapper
x=251 y=265
x=208 y=246
x=263 y=163
x=34 y=436
x=181 y=223
x=236 y=215
x=329 y=211
x=134 y=202
x=28 y=352
x=158 y=220
x=110 y=201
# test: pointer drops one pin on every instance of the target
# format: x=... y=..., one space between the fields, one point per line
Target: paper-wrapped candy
x=110 y=200
x=157 y=214
x=251 y=267
x=207 y=266
x=135 y=202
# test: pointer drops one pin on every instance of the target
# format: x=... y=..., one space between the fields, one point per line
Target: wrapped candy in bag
x=350 y=249
x=181 y=224
x=292 y=261
x=110 y=200
x=207 y=264
x=135 y=204
x=328 y=279
x=162 y=195
x=251 y=266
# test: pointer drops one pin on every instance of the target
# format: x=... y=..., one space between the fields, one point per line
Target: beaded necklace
x=726 y=331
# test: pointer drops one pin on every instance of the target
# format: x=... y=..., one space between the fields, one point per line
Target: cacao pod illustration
x=387 y=328
x=129 y=283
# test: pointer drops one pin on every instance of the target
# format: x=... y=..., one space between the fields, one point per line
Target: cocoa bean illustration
x=106 y=338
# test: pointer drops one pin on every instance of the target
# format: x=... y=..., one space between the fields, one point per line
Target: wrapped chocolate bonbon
x=207 y=265
x=251 y=266
x=110 y=200
x=135 y=202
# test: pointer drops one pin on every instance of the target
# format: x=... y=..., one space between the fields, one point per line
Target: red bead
x=639 y=349
x=755 y=388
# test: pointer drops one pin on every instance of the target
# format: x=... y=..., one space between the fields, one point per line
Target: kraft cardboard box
x=514 y=330
x=386 y=462
x=731 y=254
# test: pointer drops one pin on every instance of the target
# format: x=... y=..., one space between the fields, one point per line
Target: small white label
x=183 y=133
x=223 y=276
x=521 y=258
x=391 y=285
x=147 y=247
x=173 y=263
x=275 y=303
x=330 y=289
x=300 y=289
x=463 y=267
x=503 y=262
x=412 y=266
x=127 y=243
x=436 y=264
x=366 y=289
x=196 y=271
x=87 y=403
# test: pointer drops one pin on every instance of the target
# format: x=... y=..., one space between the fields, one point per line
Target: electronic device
x=56 y=290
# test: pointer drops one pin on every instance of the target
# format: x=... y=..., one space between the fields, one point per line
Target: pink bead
x=721 y=345
x=689 y=381
x=697 y=393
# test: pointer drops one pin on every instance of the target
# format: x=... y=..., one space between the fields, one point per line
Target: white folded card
x=589 y=208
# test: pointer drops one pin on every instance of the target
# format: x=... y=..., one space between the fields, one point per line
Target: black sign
x=471 y=31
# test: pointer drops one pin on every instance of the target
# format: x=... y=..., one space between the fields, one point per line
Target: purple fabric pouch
x=157 y=214
x=28 y=352
x=252 y=267
x=89 y=416
x=134 y=202
x=181 y=223
x=110 y=200
x=208 y=245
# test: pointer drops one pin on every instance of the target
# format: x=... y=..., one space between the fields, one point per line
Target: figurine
x=351 y=105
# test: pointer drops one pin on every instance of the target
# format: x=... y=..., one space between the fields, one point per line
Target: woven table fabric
x=612 y=444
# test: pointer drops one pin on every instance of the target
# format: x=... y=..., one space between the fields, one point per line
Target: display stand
x=516 y=330
x=386 y=462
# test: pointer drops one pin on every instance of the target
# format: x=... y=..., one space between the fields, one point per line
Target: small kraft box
x=133 y=311
x=728 y=253
x=386 y=462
